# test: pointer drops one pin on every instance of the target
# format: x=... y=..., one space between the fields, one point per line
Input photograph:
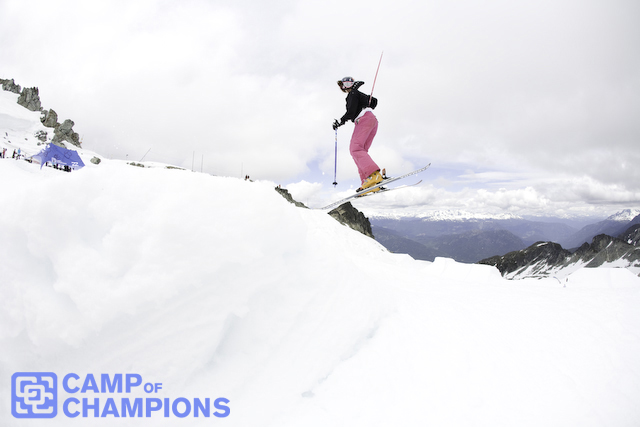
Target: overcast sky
x=520 y=106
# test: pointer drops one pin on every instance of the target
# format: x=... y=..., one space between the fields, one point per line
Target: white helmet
x=346 y=83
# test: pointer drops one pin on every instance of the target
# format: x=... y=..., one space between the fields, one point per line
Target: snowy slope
x=216 y=287
x=18 y=127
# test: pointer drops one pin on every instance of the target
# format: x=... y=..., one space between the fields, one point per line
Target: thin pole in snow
x=145 y=154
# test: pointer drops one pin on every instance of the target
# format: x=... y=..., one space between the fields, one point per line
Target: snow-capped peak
x=625 y=215
x=443 y=215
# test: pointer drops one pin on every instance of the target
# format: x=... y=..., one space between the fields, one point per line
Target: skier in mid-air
x=360 y=111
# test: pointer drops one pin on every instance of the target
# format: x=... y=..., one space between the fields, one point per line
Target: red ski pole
x=375 y=78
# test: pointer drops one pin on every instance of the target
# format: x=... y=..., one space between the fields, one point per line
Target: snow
x=217 y=287
x=624 y=215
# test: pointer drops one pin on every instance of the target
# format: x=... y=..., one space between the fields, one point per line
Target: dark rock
x=610 y=249
x=345 y=214
x=285 y=193
x=543 y=258
x=10 y=86
x=348 y=215
x=41 y=136
x=49 y=119
x=64 y=132
x=631 y=235
x=30 y=99
x=540 y=252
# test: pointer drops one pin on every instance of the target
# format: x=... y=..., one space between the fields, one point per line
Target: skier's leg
x=361 y=140
x=372 y=134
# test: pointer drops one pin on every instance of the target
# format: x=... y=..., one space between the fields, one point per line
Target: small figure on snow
x=360 y=111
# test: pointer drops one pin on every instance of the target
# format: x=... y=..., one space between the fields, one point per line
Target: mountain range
x=545 y=259
x=471 y=238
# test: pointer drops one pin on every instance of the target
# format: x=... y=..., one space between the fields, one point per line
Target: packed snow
x=215 y=287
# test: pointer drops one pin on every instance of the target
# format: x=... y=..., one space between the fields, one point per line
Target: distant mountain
x=398 y=244
x=465 y=238
x=468 y=237
x=539 y=259
x=427 y=227
x=475 y=245
x=631 y=235
x=468 y=247
x=612 y=226
x=443 y=215
x=550 y=259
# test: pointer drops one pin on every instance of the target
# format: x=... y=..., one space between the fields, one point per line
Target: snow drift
x=216 y=287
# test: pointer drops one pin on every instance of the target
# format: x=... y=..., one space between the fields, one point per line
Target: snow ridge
x=625 y=215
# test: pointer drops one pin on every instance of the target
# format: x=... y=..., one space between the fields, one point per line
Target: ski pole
x=335 y=164
x=376 y=77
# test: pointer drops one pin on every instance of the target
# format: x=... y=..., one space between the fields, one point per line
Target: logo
x=34 y=395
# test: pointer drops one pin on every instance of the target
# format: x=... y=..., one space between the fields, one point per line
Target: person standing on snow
x=360 y=111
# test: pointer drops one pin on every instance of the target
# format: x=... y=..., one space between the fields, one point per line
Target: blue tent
x=59 y=155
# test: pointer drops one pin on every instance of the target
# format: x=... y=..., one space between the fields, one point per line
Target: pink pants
x=365 y=130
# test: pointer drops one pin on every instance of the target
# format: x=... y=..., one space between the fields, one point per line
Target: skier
x=360 y=111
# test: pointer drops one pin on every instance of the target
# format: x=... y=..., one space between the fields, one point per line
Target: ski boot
x=373 y=179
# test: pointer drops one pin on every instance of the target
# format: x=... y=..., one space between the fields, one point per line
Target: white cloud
x=520 y=93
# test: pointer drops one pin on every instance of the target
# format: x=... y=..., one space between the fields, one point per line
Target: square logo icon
x=34 y=395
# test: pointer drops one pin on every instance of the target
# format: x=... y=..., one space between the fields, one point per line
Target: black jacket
x=356 y=102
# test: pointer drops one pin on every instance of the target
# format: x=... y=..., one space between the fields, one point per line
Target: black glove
x=337 y=124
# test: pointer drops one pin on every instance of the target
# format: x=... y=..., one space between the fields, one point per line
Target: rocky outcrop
x=547 y=258
x=50 y=119
x=64 y=132
x=345 y=214
x=607 y=249
x=30 y=99
x=41 y=135
x=285 y=193
x=61 y=132
x=10 y=86
x=348 y=215
x=537 y=257
x=631 y=235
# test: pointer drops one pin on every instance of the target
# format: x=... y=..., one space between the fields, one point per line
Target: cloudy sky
x=529 y=107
